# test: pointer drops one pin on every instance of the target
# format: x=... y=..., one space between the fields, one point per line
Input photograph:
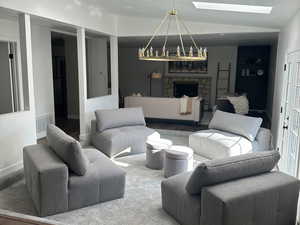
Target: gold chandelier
x=194 y=53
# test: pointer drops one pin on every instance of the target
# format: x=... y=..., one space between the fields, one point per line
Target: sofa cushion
x=114 y=141
x=214 y=144
x=269 y=198
x=223 y=170
x=103 y=181
x=240 y=104
x=68 y=149
x=245 y=126
x=107 y=119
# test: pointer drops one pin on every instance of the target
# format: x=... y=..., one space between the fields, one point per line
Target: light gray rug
x=140 y=206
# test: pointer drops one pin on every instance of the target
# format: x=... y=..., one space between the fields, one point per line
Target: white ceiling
x=206 y=40
x=281 y=13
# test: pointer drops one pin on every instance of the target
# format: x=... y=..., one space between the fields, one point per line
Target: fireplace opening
x=185 y=88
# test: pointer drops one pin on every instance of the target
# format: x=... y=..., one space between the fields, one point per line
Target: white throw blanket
x=186 y=105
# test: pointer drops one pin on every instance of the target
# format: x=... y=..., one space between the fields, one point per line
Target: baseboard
x=11 y=174
x=19 y=218
x=10 y=169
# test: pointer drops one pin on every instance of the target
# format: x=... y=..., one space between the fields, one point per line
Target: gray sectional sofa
x=61 y=176
x=233 y=191
x=121 y=131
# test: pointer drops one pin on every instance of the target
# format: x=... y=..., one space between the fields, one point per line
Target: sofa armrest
x=93 y=127
x=264 y=138
x=261 y=199
x=46 y=178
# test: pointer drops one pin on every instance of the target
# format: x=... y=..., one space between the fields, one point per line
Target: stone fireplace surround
x=204 y=86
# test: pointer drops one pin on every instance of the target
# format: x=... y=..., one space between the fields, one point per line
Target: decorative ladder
x=223 y=81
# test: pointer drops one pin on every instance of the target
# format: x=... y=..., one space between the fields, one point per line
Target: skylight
x=233 y=7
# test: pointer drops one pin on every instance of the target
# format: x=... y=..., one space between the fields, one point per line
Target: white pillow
x=245 y=126
x=240 y=104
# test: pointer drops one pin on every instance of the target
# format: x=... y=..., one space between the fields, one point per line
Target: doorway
x=65 y=82
x=290 y=128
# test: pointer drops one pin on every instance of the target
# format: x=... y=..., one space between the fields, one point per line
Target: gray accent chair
x=231 y=135
x=119 y=131
x=55 y=187
x=233 y=191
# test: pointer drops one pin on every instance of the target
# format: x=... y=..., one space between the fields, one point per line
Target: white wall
x=43 y=78
x=289 y=41
x=133 y=72
x=18 y=129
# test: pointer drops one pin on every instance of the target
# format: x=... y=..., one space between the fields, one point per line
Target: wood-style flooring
x=10 y=220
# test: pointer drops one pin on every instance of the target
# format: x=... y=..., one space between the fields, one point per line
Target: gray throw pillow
x=67 y=149
x=245 y=126
x=107 y=119
x=231 y=168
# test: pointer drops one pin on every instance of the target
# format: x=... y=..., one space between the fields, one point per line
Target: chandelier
x=194 y=53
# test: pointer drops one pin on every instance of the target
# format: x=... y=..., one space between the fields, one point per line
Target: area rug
x=140 y=206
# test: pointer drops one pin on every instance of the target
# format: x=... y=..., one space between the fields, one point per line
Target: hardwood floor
x=10 y=220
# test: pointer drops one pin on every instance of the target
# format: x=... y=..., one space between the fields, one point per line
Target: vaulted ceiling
x=281 y=13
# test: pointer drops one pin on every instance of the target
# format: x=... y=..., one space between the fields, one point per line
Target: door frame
x=283 y=109
x=284 y=114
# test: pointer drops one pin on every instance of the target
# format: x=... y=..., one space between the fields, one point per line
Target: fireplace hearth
x=185 y=88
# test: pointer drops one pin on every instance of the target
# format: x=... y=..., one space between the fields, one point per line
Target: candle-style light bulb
x=151 y=51
x=143 y=52
x=178 y=51
x=167 y=53
x=140 y=52
x=200 y=52
x=163 y=51
x=148 y=54
x=191 y=51
x=156 y=53
x=205 y=53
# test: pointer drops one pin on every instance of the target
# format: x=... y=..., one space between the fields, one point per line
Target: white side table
x=178 y=159
x=155 y=152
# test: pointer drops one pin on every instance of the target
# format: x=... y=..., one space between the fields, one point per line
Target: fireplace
x=204 y=87
x=181 y=88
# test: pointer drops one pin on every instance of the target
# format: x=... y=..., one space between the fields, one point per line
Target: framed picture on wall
x=188 y=67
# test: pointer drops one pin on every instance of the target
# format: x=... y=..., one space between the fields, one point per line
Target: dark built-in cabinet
x=252 y=74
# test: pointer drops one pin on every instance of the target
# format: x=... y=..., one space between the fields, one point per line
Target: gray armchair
x=61 y=176
x=233 y=191
x=121 y=131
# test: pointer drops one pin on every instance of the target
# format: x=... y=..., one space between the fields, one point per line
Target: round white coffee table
x=178 y=159
x=155 y=152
